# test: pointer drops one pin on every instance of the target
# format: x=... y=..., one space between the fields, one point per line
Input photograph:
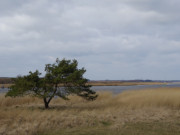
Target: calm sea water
x=119 y=89
x=3 y=90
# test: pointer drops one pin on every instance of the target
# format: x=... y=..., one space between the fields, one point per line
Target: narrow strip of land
x=124 y=83
x=107 y=83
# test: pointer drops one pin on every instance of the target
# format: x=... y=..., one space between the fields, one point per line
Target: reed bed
x=123 y=83
x=27 y=116
x=5 y=85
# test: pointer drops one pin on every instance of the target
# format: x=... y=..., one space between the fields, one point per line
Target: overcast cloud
x=112 y=39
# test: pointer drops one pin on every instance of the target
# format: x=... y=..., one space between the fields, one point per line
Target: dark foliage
x=61 y=79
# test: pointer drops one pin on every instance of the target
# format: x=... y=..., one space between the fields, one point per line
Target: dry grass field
x=141 y=112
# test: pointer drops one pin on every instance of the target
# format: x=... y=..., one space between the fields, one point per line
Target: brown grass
x=5 y=85
x=26 y=116
x=108 y=83
x=123 y=83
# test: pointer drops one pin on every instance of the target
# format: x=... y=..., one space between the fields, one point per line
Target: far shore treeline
x=9 y=81
x=6 y=80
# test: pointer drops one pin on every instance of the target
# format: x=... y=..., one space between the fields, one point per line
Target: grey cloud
x=128 y=39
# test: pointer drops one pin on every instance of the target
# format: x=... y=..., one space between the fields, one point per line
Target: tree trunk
x=46 y=104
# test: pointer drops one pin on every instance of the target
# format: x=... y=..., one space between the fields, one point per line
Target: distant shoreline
x=109 y=83
x=123 y=83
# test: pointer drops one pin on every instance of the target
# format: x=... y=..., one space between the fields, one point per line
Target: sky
x=112 y=39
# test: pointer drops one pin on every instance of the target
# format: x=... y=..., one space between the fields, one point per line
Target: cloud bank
x=112 y=39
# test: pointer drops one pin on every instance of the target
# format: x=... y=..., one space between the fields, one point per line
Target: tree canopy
x=61 y=79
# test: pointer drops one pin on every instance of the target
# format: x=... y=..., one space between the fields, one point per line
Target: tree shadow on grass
x=73 y=107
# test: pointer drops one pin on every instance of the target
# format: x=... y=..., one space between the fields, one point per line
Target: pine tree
x=61 y=79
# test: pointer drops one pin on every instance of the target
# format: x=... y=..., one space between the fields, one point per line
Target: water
x=119 y=89
x=3 y=90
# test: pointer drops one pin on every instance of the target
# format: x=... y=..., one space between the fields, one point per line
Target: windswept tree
x=61 y=79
